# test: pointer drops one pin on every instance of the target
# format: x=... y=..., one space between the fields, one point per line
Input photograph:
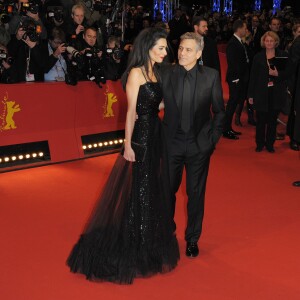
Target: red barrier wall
x=60 y=114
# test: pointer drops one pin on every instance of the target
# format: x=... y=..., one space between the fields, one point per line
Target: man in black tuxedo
x=256 y=32
x=190 y=93
x=237 y=75
x=210 y=55
x=293 y=72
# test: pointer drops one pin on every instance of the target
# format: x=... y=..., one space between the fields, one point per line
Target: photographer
x=55 y=66
x=5 y=11
x=26 y=53
x=75 y=26
x=112 y=59
x=87 y=58
x=5 y=65
x=26 y=10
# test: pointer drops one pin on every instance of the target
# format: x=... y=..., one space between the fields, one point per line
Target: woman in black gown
x=129 y=233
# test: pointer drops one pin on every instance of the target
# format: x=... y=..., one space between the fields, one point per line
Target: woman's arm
x=132 y=89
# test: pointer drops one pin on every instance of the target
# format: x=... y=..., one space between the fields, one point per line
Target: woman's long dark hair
x=139 y=57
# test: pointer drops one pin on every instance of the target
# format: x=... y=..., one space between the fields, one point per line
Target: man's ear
x=199 y=53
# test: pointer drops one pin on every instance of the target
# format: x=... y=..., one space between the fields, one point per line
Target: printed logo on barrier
x=7 y=110
x=110 y=99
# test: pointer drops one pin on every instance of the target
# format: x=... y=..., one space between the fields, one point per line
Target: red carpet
x=249 y=248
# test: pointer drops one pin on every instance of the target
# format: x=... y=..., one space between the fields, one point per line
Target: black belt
x=147 y=117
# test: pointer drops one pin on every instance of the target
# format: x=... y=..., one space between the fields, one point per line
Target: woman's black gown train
x=129 y=233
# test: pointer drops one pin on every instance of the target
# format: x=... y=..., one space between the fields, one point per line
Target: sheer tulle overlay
x=129 y=233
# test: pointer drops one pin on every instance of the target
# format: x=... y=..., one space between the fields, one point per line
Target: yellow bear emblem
x=110 y=99
x=11 y=108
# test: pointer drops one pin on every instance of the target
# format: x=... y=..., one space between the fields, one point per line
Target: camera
x=5 y=57
x=55 y=13
x=6 y=10
x=115 y=53
x=31 y=6
x=32 y=30
x=94 y=66
x=100 y=5
x=77 y=57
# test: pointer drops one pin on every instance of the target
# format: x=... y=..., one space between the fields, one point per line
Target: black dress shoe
x=296 y=183
x=192 y=250
x=294 y=146
x=230 y=135
x=235 y=132
x=270 y=149
x=259 y=148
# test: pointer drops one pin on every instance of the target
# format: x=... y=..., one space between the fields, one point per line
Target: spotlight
x=13 y=158
x=6 y=159
x=84 y=147
x=27 y=156
x=21 y=157
x=95 y=145
x=100 y=144
x=41 y=154
x=34 y=155
x=90 y=146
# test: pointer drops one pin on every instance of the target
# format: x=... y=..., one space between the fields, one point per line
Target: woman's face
x=269 y=42
x=158 y=52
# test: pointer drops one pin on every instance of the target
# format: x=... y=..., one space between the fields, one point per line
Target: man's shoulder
x=211 y=72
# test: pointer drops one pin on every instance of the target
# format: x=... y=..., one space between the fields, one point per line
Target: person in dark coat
x=293 y=70
x=267 y=90
x=210 y=55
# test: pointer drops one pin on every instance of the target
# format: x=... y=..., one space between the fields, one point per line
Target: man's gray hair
x=193 y=36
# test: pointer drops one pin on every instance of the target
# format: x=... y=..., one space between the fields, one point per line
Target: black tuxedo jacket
x=208 y=99
x=238 y=68
x=210 y=55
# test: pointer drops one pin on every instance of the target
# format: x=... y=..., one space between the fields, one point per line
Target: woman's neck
x=270 y=53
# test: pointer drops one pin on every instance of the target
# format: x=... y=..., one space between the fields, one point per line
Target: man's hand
x=5 y=65
x=79 y=29
x=60 y=49
x=35 y=17
x=250 y=100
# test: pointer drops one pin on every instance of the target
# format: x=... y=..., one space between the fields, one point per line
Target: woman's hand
x=273 y=72
x=128 y=153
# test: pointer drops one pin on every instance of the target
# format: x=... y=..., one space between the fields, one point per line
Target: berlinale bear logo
x=7 y=111
x=111 y=98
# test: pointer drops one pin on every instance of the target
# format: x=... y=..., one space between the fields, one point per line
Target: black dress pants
x=237 y=95
x=184 y=152
x=266 y=127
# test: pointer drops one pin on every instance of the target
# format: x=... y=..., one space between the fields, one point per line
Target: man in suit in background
x=210 y=55
x=189 y=130
x=293 y=73
x=256 y=32
x=237 y=75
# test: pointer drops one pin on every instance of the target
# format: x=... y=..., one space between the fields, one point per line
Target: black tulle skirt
x=129 y=233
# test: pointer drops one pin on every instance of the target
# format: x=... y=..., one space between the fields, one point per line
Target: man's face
x=90 y=37
x=255 y=22
x=242 y=31
x=78 y=16
x=55 y=43
x=275 y=25
x=201 y=28
x=188 y=53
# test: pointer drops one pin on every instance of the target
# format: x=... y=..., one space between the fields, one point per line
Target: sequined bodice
x=149 y=97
